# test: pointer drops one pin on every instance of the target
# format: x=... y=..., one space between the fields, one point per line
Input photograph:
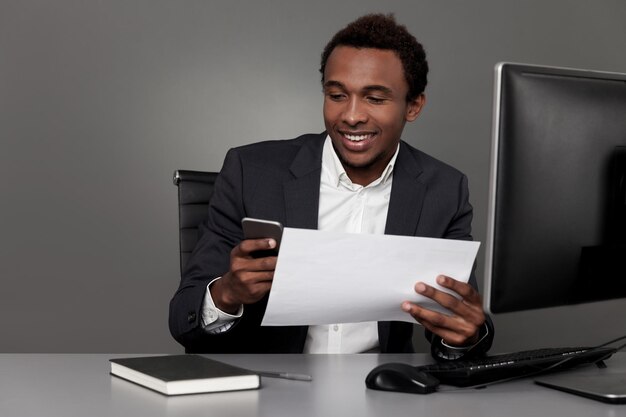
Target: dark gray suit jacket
x=280 y=180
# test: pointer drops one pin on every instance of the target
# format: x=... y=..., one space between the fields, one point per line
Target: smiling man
x=358 y=177
x=366 y=105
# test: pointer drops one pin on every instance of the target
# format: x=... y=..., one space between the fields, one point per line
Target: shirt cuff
x=215 y=320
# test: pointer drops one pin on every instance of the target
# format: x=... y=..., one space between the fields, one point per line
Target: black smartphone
x=259 y=229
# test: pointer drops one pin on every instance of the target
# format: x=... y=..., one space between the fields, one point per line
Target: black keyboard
x=487 y=369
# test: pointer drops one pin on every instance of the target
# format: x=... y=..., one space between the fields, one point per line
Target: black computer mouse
x=401 y=377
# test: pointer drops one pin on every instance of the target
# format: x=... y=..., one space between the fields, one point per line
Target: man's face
x=365 y=108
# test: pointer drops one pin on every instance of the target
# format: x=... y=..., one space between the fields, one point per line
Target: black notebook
x=184 y=374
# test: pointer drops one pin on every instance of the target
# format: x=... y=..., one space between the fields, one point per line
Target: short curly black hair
x=380 y=31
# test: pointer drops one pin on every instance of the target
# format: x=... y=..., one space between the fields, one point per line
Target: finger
x=267 y=263
x=465 y=290
x=444 y=299
x=254 y=277
x=451 y=337
x=241 y=261
x=247 y=271
x=424 y=315
x=457 y=324
x=454 y=330
x=247 y=287
x=253 y=293
x=469 y=309
x=246 y=247
x=258 y=291
x=469 y=297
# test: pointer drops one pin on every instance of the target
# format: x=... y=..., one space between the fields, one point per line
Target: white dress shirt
x=343 y=207
x=351 y=208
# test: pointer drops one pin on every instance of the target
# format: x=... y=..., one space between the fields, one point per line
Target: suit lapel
x=407 y=195
x=302 y=192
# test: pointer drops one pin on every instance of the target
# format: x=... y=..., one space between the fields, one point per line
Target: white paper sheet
x=326 y=277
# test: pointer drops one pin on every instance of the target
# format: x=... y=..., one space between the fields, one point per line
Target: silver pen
x=286 y=375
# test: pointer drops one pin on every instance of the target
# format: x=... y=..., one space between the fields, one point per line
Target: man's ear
x=414 y=107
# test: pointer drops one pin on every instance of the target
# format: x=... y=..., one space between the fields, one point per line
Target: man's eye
x=335 y=96
x=376 y=100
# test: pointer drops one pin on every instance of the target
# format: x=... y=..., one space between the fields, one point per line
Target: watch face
x=449 y=356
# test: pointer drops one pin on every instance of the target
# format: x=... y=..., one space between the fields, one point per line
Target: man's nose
x=354 y=113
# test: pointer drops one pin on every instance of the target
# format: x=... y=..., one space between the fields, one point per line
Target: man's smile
x=357 y=137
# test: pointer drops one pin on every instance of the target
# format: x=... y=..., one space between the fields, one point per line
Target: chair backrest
x=195 y=189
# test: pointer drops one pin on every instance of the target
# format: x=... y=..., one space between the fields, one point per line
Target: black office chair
x=195 y=189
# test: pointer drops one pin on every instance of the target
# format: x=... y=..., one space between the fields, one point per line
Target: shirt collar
x=336 y=174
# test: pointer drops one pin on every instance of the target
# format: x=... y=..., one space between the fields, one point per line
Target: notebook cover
x=184 y=368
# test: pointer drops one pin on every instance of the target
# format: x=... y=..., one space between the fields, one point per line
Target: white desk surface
x=67 y=385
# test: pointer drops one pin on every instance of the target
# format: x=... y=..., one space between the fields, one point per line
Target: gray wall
x=100 y=101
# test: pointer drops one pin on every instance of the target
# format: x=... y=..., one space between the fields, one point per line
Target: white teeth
x=356 y=138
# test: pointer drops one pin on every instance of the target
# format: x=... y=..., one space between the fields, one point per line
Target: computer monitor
x=557 y=210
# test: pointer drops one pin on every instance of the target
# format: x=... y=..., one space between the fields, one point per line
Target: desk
x=68 y=385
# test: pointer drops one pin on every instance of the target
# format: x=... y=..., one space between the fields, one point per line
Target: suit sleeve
x=210 y=258
x=460 y=228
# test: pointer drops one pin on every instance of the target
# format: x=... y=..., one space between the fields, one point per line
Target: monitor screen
x=557 y=210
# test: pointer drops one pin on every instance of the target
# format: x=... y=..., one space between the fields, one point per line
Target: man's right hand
x=248 y=280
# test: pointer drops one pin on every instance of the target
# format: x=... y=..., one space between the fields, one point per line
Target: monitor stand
x=608 y=388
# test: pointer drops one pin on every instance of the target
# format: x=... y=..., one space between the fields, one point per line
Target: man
x=359 y=177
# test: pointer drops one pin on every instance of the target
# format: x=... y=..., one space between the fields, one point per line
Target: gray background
x=100 y=101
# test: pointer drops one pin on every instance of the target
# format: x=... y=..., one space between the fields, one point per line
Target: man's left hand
x=462 y=326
